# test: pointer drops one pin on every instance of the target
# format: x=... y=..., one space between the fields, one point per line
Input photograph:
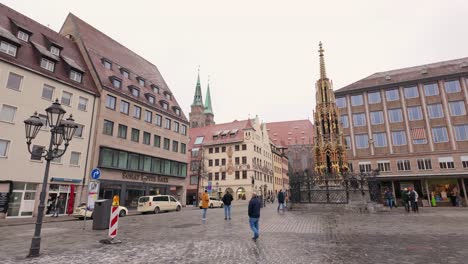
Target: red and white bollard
x=113 y=222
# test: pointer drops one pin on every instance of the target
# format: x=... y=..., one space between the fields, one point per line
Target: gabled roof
x=208 y=132
x=100 y=46
x=29 y=53
x=407 y=75
x=287 y=133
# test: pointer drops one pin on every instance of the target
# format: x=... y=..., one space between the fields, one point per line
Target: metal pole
x=464 y=190
x=428 y=193
x=36 y=240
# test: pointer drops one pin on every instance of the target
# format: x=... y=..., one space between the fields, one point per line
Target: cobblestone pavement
x=438 y=235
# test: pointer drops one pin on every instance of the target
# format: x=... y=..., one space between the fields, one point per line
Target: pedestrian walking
x=58 y=205
x=254 y=215
x=405 y=198
x=389 y=197
x=413 y=198
x=205 y=202
x=227 y=199
x=281 y=200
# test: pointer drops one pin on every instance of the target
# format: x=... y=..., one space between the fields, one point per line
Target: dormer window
x=107 y=64
x=125 y=73
x=155 y=89
x=141 y=81
x=177 y=111
x=8 y=48
x=164 y=104
x=76 y=76
x=54 y=50
x=135 y=91
x=116 y=83
x=151 y=99
x=47 y=64
x=23 y=35
x=168 y=95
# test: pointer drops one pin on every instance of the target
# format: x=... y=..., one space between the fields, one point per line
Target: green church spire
x=208 y=107
x=197 y=99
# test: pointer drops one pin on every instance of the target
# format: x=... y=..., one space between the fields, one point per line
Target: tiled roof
x=393 y=77
x=286 y=133
x=29 y=53
x=209 y=131
x=100 y=46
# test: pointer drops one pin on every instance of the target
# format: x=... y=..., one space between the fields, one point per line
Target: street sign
x=95 y=173
x=93 y=192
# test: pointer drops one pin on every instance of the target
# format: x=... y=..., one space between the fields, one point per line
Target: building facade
x=280 y=168
x=411 y=125
x=38 y=66
x=141 y=132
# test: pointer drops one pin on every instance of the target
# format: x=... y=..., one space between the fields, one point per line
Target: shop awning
x=54 y=179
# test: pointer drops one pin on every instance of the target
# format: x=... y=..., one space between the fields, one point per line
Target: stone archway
x=230 y=190
x=240 y=193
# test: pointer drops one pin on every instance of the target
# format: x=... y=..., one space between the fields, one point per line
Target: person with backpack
x=280 y=200
x=227 y=199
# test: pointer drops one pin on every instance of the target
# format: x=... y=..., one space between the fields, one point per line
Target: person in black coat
x=254 y=215
x=227 y=199
x=281 y=200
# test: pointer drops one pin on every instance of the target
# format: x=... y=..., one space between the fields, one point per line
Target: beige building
x=37 y=66
x=141 y=133
x=280 y=168
x=411 y=124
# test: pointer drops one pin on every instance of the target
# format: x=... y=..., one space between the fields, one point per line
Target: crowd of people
x=409 y=198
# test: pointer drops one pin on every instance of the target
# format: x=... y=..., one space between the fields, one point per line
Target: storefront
x=22 y=199
x=61 y=196
x=445 y=192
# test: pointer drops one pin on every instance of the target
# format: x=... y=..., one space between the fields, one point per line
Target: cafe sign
x=136 y=176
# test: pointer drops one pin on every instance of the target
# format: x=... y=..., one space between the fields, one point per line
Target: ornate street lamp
x=60 y=130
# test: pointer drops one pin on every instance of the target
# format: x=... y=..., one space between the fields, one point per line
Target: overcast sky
x=262 y=55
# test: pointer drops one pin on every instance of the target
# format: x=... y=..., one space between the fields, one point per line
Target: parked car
x=80 y=211
x=214 y=202
x=158 y=203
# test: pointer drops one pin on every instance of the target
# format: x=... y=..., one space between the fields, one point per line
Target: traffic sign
x=95 y=173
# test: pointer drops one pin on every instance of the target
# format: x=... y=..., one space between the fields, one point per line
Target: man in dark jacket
x=227 y=199
x=254 y=215
x=280 y=199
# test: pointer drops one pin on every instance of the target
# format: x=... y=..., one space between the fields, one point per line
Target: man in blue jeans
x=227 y=199
x=254 y=215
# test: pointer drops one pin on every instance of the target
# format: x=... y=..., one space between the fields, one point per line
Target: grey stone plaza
x=435 y=235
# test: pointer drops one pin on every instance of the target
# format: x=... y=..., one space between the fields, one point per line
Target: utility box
x=101 y=214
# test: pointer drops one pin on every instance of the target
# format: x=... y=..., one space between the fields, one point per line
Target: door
x=173 y=203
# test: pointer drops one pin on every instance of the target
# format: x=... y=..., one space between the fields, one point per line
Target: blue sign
x=95 y=173
x=209 y=187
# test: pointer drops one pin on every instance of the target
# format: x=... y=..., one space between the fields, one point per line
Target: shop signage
x=136 y=176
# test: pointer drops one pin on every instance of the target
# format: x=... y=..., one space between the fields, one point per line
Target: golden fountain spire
x=323 y=74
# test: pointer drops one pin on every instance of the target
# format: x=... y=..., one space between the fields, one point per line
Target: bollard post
x=113 y=222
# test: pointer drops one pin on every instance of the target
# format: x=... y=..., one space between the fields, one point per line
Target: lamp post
x=217 y=190
x=264 y=193
x=60 y=130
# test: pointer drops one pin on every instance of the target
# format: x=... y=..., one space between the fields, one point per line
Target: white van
x=158 y=203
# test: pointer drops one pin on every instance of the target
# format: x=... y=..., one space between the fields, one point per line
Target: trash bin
x=101 y=214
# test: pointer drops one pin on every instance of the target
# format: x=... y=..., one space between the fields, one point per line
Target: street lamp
x=265 y=190
x=61 y=130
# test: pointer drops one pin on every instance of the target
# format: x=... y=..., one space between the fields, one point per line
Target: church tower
x=197 y=110
x=329 y=148
x=209 y=115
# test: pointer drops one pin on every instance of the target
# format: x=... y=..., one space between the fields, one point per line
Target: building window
x=183 y=148
x=237 y=148
x=435 y=111
x=347 y=142
x=151 y=99
x=392 y=95
x=237 y=175
x=216 y=162
x=37 y=152
x=59 y=159
x=217 y=150
x=446 y=163
x=175 y=146
x=4 y=147
x=47 y=64
x=165 y=106
x=210 y=150
x=362 y=141
x=193 y=180
x=223 y=176
x=8 y=48
x=158 y=120
x=210 y=163
x=168 y=96
x=82 y=103
x=177 y=111
x=374 y=97
x=141 y=82
x=431 y=89
x=244 y=160
x=135 y=92
x=126 y=74
x=411 y=92
x=384 y=166
x=167 y=124
x=365 y=167
x=244 y=174
x=66 y=98
x=461 y=132
x=108 y=128
x=415 y=113
x=464 y=160
x=403 y=165
x=395 y=115
x=236 y=160
x=54 y=50
x=357 y=100
x=157 y=141
x=122 y=133
x=148 y=116
x=23 y=35
x=7 y=113
x=341 y=102
x=457 y=108
x=184 y=130
x=79 y=131
x=75 y=158
x=137 y=112
x=439 y=134
x=419 y=135
x=452 y=86
x=377 y=117
x=344 y=121
x=210 y=176
x=135 y=135
x=167 y=143
x=146 y=138
x=76 y=76
x=223 y=149
x=399 y=138
x=116 y=83
x=216 y=176
x=155 y=89
x=359 y=119
x=14 y=81
x=199 y=140
x=223 y=162
x=176 y=127
x=110 y=102
x=424 y=164
x=124 y=107
x=244 y=147
x=47 y=92
x=380 y=140
x=107 y=64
